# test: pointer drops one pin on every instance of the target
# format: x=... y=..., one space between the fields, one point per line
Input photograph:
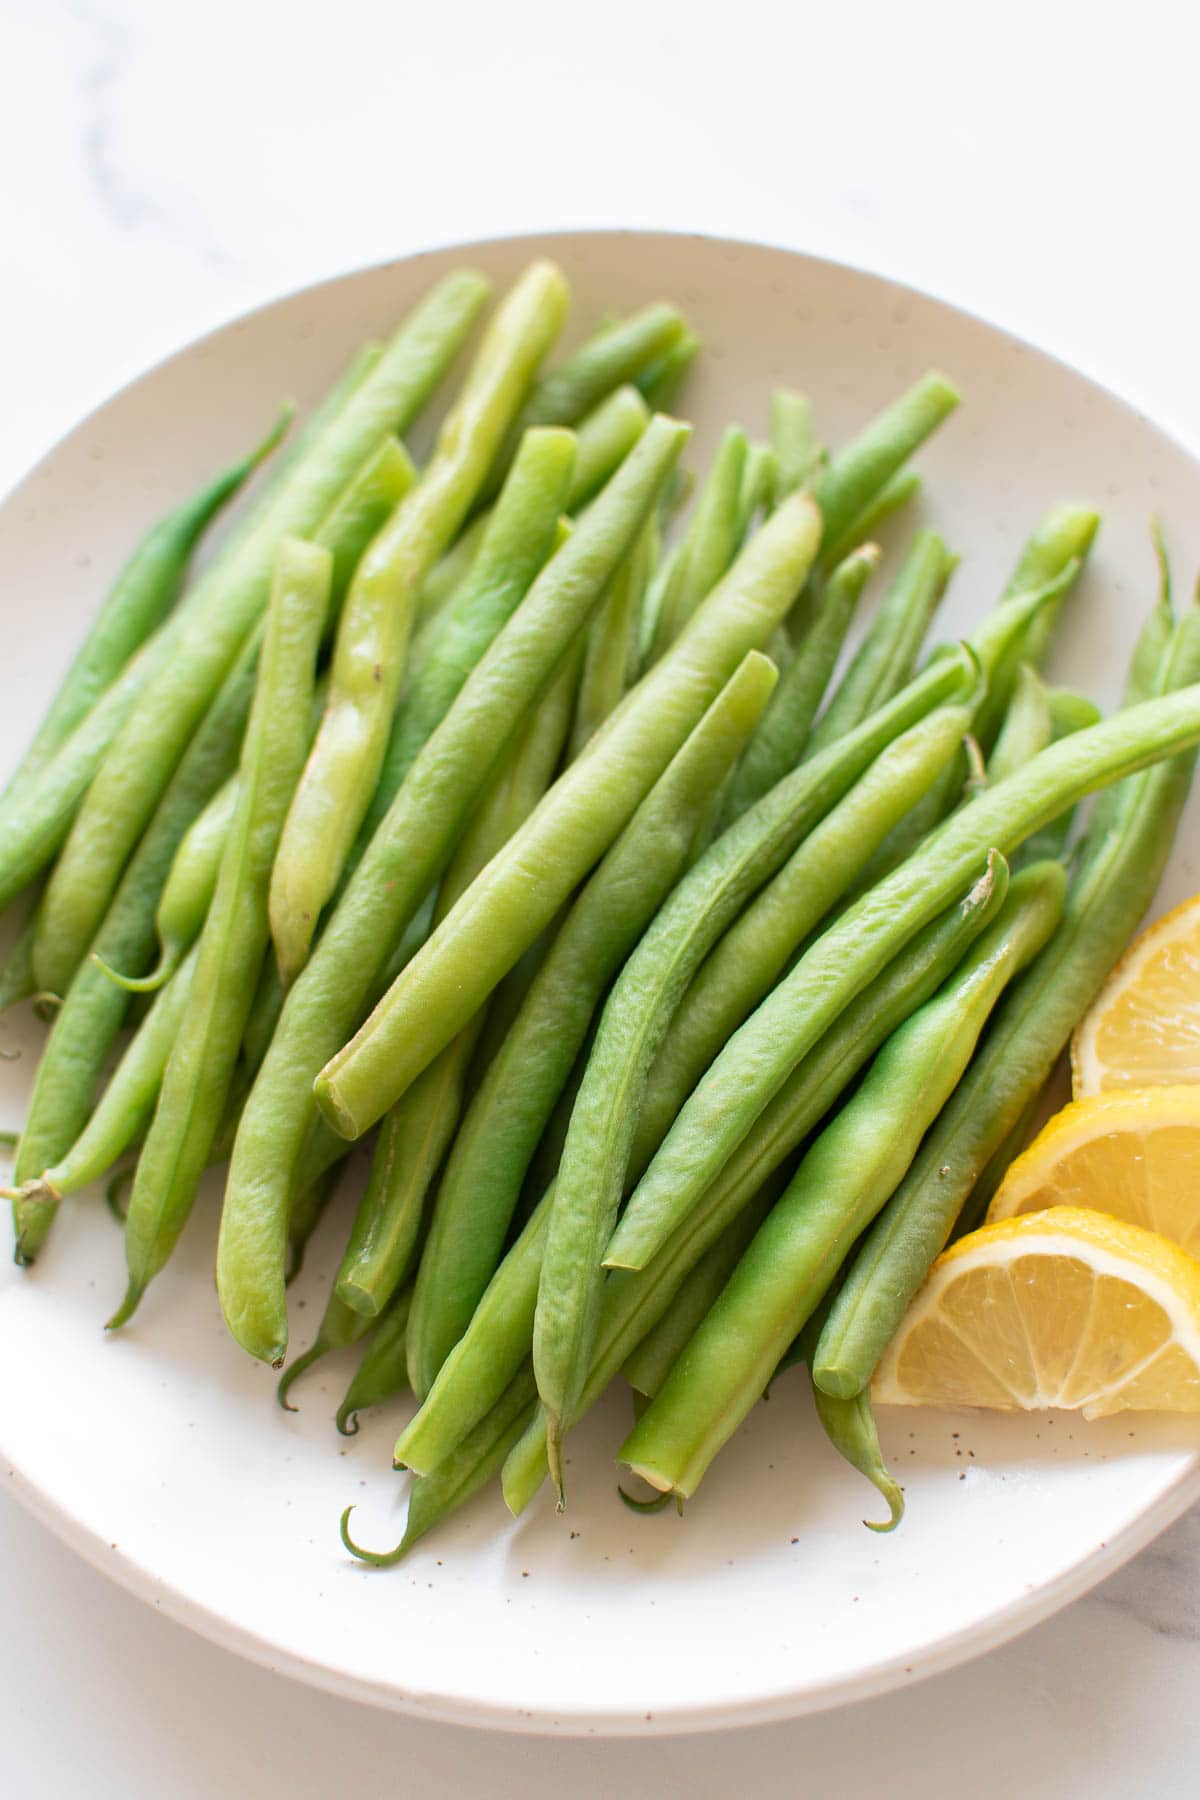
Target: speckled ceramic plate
x=161 y=1455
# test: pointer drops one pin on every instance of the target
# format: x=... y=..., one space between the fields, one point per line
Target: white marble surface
x=167 y=166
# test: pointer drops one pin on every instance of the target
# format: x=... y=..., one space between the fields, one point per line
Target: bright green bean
x=521 y=890
x=200 y=1068
x=215 y=623
x=360 y=511
x=610 y=663
x=759 y=480
x=481 y=1185
x=404 y=859
x=759 y=1058
x=662 y=380
x=856 y=473
x=1064 y=534
x=843 y=1180
x=888 y=654
x=471 y=1466
x=710 y=543
x=892 y=497
x=781 y=739
x=344 y=763
x=382 y=1372
x=798 y=455
x=634 y=1300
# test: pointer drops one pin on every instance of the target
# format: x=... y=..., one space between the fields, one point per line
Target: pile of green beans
x=696 y=989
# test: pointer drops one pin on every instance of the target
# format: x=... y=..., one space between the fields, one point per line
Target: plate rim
x=949 y=1651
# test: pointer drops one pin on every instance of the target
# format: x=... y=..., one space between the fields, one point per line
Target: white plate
x=161 y=1456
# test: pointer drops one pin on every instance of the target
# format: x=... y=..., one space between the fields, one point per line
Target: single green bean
x=216 y=621
x=1064 y=534
x=747 y=961
x=710 y=543
x=359 y=512
x=416 y=1133
x=1123 y=859
x=1027 y=726
x=843 y=1180
x=661 y=381
x=888 y=654
x=851 y=1429
x=759 y=480
x=472 y=1465
x=856 y=473
x=892 y=497
x=340 y=1328
x=16 y=972
x=759 y=1058
x=798 y=455
x=405 y=858
x=482 y=1182
x=382 y=1373
x=521 y=890
x=139 y=600
x=200 y=1068
x=345 y=761
x=610 y=663
x=95 y=1007
x=634 y=1300
x=781 y=739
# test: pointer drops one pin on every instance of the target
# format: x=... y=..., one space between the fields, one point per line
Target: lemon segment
x=1061 y=1308
x=1143 y=1028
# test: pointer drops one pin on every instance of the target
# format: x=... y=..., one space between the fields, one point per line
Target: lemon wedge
x=1062 y=1308
x=1135 y=1156
x=1143 y=1028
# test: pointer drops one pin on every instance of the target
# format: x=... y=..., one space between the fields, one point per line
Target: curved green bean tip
x=378 y=1559
x=46 y=1004
x=346 y=1420
x=894 y=1495
x=274 y=437
x=139 y=984
x=310 y=1356
x=645 y=1506
x=32 y=1205
x=114 y=1190
x=127 y=1308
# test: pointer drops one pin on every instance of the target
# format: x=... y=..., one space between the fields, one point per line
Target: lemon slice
x=1143 y=1028
x=1059 y=1308
x=1135 y=1156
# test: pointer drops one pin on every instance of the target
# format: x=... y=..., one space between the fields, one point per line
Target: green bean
x=1068 y=712
x=755 y=950
x=843 y=1180
x=404 y=859
x=758 y=486
x=16 y=972
x=892 y=497
x=758 y=1059
x=521 y=532
x=1064 y=534
x=305 y=1214
x=1123 y=860
x=661 y=381
x=798 y=455
x=611 y=659
x=888 y=654
x=851 y=1429
x=416 y=1133
x=200 y=1068
x=139 y=600
x=602 y=442
x=470 y=1467
x=360 y=511
x=781 y=739
x=651 y=1362
x=610 y=359
x=975 y=1206
x=521 y=890
x=634 y=1300
x=344 y=764
x=1027 y=726
x=482 y=1181
x=94 y=1006
x=340 y=1328
x=710 y=543
x=485 y=1359
x=856 y=473
x=126 y=1106
x=381 y=1374
x=216 y=621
